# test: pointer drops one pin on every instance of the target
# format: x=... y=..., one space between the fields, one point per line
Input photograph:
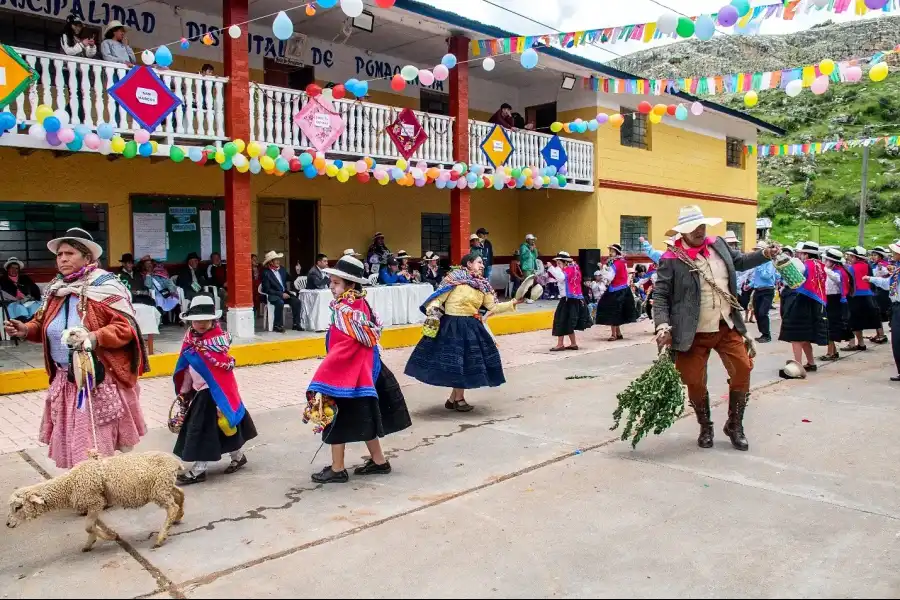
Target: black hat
x=192 y=255
x=392 y=262
x=72 y=19
x=483 y=231
x=348 y=268
x=127 y=257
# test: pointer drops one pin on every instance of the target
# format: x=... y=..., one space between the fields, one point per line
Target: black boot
x=734 y=428
x=705 y=440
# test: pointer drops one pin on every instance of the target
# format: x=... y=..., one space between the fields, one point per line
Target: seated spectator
x=135 y=280
x=165 y=293
x=19 y=291
x=519 y=122
x=255 y=275
x=215 y=271
x=115 y=46
x=207 y=70
x=390 y=273
x=190 y=278
x=275 y=288
x=72 y=42
x=316 y=279
x=515 y=272
x=503 y=117
x=411 y=275
x=431 y=270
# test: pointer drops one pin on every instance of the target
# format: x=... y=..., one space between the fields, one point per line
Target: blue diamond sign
x=554 y=154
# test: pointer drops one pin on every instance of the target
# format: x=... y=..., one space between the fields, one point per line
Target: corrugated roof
x=477 y=27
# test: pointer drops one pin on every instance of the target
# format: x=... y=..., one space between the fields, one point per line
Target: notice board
x=170 y=227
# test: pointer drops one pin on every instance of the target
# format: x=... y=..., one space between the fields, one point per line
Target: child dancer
x=864 y=312
x=838 y=287
x=572 y=313
x=216 y=421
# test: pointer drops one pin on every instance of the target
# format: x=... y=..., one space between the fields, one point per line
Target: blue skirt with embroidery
x=463 y=355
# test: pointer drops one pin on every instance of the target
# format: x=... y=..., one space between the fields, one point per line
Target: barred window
x=634 y=132
x=436 y=234
x=26 y=227
x=734 y=153
x=631 y=229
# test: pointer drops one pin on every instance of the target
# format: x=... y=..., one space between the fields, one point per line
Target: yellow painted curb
x=162 y=365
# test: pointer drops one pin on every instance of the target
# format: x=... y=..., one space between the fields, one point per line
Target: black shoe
x=236 y=465
x=811 y=368
x=705 y=440
x=373 y=468
x=880 y=339
x=895 y=378
x=830 y=357
x=764 y=339
x=297 y=328
x=278 y=329
x=326 y=475
x=189 y=478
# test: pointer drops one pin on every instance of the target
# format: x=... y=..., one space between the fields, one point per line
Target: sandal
x=459 y=406
x=830 y=357
x=189 y=478
x=236 y=465
x=880 y=339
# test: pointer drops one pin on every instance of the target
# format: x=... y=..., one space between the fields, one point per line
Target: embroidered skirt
x=201 y=438
x=803 y=321
x=463 y=355
x=571 y=315
x=864 y=313
x=617 y=308
x=364 y=419
x=67 y=429
x=838 y=314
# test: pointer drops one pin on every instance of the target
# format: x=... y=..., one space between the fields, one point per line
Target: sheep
x=128 y=480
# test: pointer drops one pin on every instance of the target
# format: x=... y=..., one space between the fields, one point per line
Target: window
x=434 y=103
x=634 y=132
x=436 y=234
x=734 y=153
x=25 y=228
x=632 y=228
x=738 y=229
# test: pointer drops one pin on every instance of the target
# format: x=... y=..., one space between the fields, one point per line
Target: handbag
x=178 y=412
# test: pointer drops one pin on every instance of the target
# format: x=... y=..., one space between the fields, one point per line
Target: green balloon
x=516 y=173
x=742 y=6
x=230 y=149
x=273 y=152
x=227 y=164
x=211 y=148
x=176 y=154
x=561 y=179
x=685 y=27
x=479 y=184
x=131 y=149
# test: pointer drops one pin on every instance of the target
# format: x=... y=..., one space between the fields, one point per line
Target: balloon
x=105 y=131
x=593 y=125
x=363 y=177
x=426 y=77
x=80 y=130
x=310 y=171
x=398 y=83
x=207 y=39
x=670 y=110
x=826 y=67
x=327 y=3
x=704 y=27
x=52 y=124
x=254 y=149
x=282 y=27
x=195 y=154
x=319 y=163
x=272 y=152
x=681 y=113
x=287 y=153
x=37 y=131
x=645 y=107
x=659 y=109
x=53 y=139
x=331 y=170
x=751 y=99
x=164 y=56
x=741 y=6
x=556 y=127
x=488 y=64
x=255 y=167
x=147 y=57
x=227 y=164
x=409 y=73
x=306 y=159
x=875 y=5
x=878 y=72
x=654 y=118
x=313 y=90
x=728 y=16
x=529 y=58
x=234 y=31
x=230 y=149
x=92 y=141
x=185 y=44
x=105 y=148
x=441 y=72
x=362 y=88
x=685 y=27
x=267 y=162
x=602 y=118
x=130 y=150
x=141 y=136
x=43 y=111
x=75 y=144
x=616 y=120
x=449 y=60
x=820 y=85
x=176 y=154
x=697 y=109
x=793 y=88
x=384 y=3
x=220 y=157
x=7 y=121
x=281 y=164
x=117 y=145
x=853 y=74
x=667 y=23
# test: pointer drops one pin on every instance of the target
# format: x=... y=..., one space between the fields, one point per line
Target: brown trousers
x=729 y=344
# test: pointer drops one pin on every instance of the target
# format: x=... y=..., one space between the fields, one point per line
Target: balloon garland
x=655 y=114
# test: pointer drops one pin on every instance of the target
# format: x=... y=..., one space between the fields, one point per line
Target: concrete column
x=460 y=210
x=238 y=217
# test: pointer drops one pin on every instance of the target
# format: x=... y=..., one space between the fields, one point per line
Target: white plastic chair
x=373 y=279
x=300 y=283
x=268 y=310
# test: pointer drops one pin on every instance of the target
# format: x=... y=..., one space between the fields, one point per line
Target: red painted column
x=460 y=212
x=238 y=218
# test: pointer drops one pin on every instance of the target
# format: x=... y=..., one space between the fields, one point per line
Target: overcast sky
x=571 y=15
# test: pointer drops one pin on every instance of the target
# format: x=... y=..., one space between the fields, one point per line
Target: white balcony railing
x=272 y=111
x=80 y=86
x=528 y=145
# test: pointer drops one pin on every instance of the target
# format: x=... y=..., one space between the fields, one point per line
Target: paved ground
x=528 y=495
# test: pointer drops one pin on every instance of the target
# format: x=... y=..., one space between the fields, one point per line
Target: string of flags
x=818 y=147
x=738 y=14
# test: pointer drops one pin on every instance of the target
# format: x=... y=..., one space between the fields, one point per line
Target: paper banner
x=497 y=147
x=554 y=154
x=319 y=122
x=407 y=133
x=145 y=97
x=818 y=147
x=15 y=75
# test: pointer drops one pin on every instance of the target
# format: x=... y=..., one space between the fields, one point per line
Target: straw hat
x=858 y=252
x=429 y=256
x=563 y=256
x=895 y=247
x=835 y=255
x=351 y=252
x=113 y=25
x=792 y=370
x=617 y=248
x=79 y=235
x=348 y=268
x=202 y=308
x=529 y=289
x=690 y=218
x=730 y=237
x=474 y=236
x=879 y=250
x=402 y=254
x=271 y=255
x=12 y=260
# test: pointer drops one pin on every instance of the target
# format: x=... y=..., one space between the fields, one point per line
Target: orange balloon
x=319 y=163
x=660 y=109
x=310 y=10
x=529 y=182
x=566 y=128
x=616 y=120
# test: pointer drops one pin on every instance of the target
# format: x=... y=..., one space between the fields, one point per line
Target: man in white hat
x=892 y=285
x=696 y=311
x=115 y=46
x=275 y=287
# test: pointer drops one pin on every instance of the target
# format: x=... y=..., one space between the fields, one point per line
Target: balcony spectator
x=22 y=294
x=487 y=251
x=378 y=253
x=390 y=273
x=72 y=42
x=431 y=270
x=190 y=278
x=115 y=46
x=207 y=70
x=520 y=123
x=503 y=117
x=316 y=279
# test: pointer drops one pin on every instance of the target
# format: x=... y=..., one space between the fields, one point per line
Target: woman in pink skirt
x=97 y=306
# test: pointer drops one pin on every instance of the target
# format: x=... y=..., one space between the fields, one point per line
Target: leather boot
x=734 y=428
x=705 y=440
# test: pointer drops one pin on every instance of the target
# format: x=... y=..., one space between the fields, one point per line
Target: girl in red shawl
x=369 y=402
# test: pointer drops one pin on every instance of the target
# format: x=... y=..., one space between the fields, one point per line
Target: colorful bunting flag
x=818 y=147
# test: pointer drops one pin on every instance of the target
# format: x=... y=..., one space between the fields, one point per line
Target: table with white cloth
x=147 y=318
x=395 y=304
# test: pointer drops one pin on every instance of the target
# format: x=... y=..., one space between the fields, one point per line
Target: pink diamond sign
x=320 y=122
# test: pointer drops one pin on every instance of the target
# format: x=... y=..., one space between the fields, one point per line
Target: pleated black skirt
x=364 y=419
x=883 y=300
x=804 y=321
x=617 y=308
x=201 y=438
x=838 y=314
x=571 y=315
x=864 y=313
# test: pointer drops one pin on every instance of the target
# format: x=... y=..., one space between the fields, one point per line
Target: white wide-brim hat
x=12 y=260
x=730 y=237
x=271 y=255
x=530 y=289
x=351 y=252
x=895 y=247
x=202 y=308
x=793 y=370
x=79 y=235
x=835 y=255
x=858 y=252
x=563 y=256
x=112 y=26
x=348 y=268
x=690 y=218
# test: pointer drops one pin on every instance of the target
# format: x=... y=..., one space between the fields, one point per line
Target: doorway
x=303 y=224
x=287 y=76
x=542 y=115
x=272 y=231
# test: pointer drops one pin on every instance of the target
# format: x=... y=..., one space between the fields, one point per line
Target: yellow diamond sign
x=497 y=147
x=15 y=75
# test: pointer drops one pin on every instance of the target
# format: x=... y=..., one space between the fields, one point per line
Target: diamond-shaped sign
x=15 y=75
x=407 y=133
x=320 y=122
x=145 y=97
x=554 y=154
x=497 y=147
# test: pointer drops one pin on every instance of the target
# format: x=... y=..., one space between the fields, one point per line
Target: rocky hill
x=814 y=197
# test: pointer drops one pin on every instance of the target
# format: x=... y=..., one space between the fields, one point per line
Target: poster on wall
x=554 y=153
x=205 y=234
x=320 y=122
x=145 y=97
x=407 y=133
x=150 y=235
x=223 y=249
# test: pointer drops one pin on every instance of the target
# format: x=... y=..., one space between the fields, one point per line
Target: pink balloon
x=853 y=74
x=820 y=85
x=696 y=109
x=378 y=173
x=462 y=183
x=441 y=72
x=422 y=165
x=287 y=153
x=361 y=166
x=426 y=77
x=92 y=141
x=420 y=182
x=141 y=136
x=66 y=135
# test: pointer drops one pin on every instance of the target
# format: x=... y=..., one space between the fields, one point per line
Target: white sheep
x=128 y=480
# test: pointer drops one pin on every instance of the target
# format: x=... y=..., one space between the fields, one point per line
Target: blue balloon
x=185 y=44
x=440 y=184
x=283 y=27
x=498 y=183
x=351 y=84
x=306 y=160
x=164 y=56
x=52 y=125
x=704 y=27
x=362 y=88
x=521 y=180
x=327 y=3
x=396 y=173
x=551 y=170
x=339 y=163
x=593 y=124
x=145 y=149
x=310 y=171
x=82 y=130
x=451 y=184
x=255 y=167
x=105 y=131
x=76 y=144
x=471 y=177
x=226 y=166
x=529 y=58
x=7 y=121
x=195 y=154
x=449 y=60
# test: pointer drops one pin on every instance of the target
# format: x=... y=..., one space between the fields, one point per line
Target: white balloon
x=488 y=64
x=352 y=8
x=328 y=93
x=667 y=23
x=63 y=116
x=147 y=57
x=234 y=31
x=239 y=160
x=793 y=88
x=819 y=3
x=37 y=131
x=105 y=147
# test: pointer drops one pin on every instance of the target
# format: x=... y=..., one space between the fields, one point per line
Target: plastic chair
x=300 y=283
x=268 y=310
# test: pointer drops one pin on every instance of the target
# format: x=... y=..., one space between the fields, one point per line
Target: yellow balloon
x=556 y=127
x=545 y=180
x=654 y=118
x=508 y=171
x=826 y=67
x=751 y=99
x=878 y=72
x=526 y=172
x=350 y=167
x=244 y=167
x=401 y=164
x=43 y=111
x=253 y=149
x=155 y=145
x=220 y=157
x=117 y=145
x=343 y=176
x=384 y=180
x=241 y=144
x=267 y=163
x=331 y=170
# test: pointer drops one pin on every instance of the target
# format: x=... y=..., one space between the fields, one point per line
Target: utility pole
x=862 y=196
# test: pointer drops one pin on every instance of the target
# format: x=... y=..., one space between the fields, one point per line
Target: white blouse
x=77 y=49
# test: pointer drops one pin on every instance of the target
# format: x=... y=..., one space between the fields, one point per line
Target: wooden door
x=272 y=233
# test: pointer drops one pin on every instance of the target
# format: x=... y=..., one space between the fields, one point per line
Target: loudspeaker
x=589 y=261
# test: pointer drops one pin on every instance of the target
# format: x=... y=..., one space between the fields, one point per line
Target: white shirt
x=77 y=49
x=833 y=281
